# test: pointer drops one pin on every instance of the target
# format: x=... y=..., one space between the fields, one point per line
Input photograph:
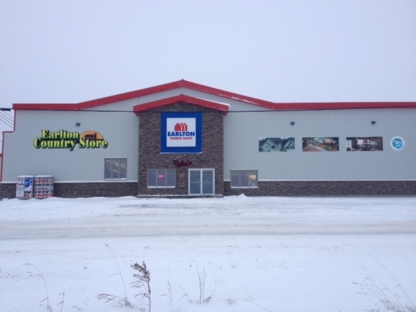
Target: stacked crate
x=24 y=187
x=44 y=186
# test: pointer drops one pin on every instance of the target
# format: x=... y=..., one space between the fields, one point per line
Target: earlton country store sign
x=63 y=139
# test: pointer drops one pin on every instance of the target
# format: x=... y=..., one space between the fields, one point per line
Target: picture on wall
x=276 y=144
x=320 y=144
x=364 y=144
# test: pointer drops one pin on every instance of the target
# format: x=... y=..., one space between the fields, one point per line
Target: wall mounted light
x=77 y=124
x=292 y=123
x=373 y=122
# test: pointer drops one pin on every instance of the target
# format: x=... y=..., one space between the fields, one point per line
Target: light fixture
x=77 y=124
x=373 y=122
x=292 y=123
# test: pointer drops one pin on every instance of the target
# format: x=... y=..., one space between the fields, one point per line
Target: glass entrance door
x=201 y=181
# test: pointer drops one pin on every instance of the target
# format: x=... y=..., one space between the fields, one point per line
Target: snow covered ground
x=256 y=253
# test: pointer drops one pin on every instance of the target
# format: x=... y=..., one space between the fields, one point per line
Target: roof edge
x=217 y=92
x=180 y=98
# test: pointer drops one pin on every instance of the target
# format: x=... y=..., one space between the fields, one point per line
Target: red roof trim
x=178 y=98
x=217 y=92
x=48 y=106
x=226 y=94
x=341 y=105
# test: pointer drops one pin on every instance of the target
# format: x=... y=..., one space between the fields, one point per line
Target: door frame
x=200 y=183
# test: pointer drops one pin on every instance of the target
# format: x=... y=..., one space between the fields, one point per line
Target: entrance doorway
x=201 y=181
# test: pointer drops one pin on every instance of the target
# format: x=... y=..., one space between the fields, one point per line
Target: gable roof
x=181 y=98
x=221 y=93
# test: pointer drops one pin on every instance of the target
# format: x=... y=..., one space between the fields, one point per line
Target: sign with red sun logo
x=181 y=133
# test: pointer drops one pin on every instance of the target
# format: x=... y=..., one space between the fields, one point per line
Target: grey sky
x=285 y=51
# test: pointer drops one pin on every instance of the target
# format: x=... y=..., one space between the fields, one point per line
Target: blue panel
x=176 y=137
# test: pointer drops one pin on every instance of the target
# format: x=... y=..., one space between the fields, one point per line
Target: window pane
x=170 y=177
x=252 y=178
x=123 y=168
x=195 y=187
x=207 y=188
x=161 y=177
x=151 y=177
x=207 y=176
x=115 y=168
x=244 y=178
x=107 y=170
x=235 y=178
x=207 y=182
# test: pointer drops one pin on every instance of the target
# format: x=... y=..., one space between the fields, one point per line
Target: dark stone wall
x=326 y=188
x=293 y=188
x=8 y=190
x=74 y=190
x=103 y=189
x=212 y=155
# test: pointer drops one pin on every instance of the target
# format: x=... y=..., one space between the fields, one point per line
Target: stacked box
x=24 y=187
x=43 y=186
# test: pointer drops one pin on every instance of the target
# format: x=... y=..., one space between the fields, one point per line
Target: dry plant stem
x=387 y=298
x=123 y=302
x=384 y=294
x=257 y=305
x=143 y=280
x=400 y=286
x=185 y=294
x=48 y=308
x=201 y=278
x=169 y=287
x=62 y=301
x=119 y=272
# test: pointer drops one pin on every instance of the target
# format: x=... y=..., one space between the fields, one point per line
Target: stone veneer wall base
x=103 y=189
x=8 y=190
x=73 y=190
x=180 y=196
x=326 y=188
x=292 y=188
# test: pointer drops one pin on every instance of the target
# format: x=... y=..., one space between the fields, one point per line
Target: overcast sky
x=284 y=51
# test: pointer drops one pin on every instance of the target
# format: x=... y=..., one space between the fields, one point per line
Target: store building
x=186 y=139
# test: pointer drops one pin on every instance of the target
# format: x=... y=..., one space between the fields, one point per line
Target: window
x=243 y=178
x=161 y=178
x=115 y=168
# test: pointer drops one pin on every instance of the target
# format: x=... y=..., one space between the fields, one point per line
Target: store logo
x=63 y=139
x=180 y=132
x=397 y=143
x=181 y=127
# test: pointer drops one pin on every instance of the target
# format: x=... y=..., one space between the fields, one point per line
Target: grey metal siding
x=242 y=132
x=128 y=104
x=84 y=165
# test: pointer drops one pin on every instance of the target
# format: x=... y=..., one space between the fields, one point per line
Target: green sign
x=63 y=139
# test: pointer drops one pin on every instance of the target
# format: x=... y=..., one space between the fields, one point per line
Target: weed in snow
x=390 y=300
x=48 y=307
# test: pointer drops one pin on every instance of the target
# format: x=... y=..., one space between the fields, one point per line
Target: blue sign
x=397 y=143
x=181 y=133
x=28 y=184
